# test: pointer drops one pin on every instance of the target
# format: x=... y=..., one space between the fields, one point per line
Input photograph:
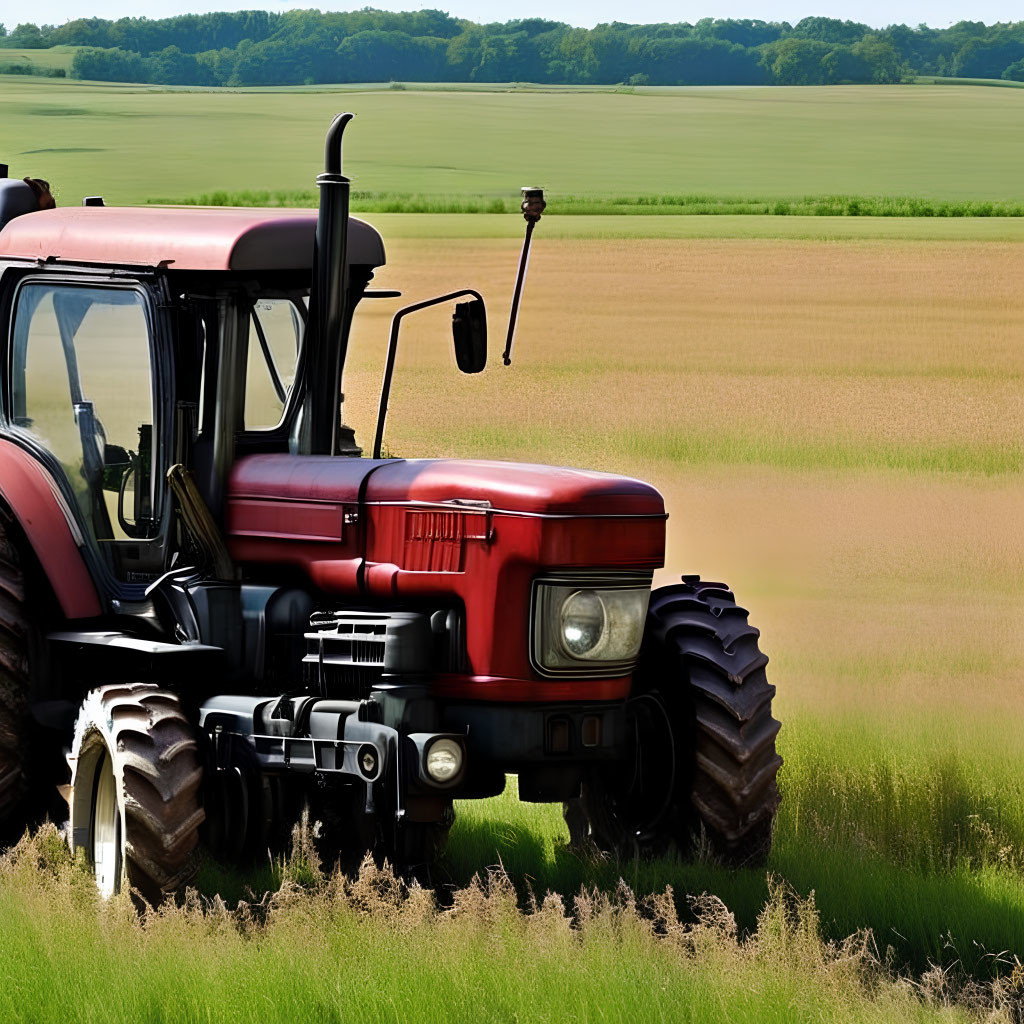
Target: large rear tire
x=15 y=682
x=704 y=763
x=135 y=782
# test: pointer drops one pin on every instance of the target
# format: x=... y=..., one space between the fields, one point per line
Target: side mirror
x=117 y=461
x=469 y=332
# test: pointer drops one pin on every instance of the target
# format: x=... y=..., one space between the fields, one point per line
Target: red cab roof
x=182 y=239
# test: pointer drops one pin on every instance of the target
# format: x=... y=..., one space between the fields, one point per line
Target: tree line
x=311 y=47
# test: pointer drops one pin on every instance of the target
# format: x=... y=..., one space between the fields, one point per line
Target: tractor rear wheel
x=14 y=683
x=704 y=763
x=135 y=779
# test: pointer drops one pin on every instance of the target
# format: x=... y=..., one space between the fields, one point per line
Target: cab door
x=85 y=388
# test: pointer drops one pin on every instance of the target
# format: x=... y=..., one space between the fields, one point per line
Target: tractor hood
x=518 y=488
x=444 y=533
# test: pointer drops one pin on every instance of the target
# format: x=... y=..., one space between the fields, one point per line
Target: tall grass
x=925 y=850
x=372 y=949
x=657 y=204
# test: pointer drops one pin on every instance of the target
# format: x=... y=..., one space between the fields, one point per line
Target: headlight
x=591 y=630
x=444 y=760
x=583 y=623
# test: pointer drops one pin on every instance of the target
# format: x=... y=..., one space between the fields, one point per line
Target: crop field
x=139 y=143
x=833 y=408
x=836 y=427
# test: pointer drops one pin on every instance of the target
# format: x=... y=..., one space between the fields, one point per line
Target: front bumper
x=383 y=741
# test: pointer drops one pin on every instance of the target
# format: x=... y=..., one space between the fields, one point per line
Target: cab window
x=276 y=328
x=82 y=387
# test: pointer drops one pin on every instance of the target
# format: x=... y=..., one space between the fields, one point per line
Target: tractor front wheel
x=135 y=778
x=703 y=765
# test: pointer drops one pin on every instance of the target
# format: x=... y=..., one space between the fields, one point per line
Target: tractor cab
x=144 y=338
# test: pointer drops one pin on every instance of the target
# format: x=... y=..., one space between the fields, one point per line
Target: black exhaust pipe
x=326 y=336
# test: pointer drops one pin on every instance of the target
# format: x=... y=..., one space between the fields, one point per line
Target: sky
x=878 y=13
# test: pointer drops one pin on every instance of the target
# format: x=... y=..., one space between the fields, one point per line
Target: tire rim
x=105 y=831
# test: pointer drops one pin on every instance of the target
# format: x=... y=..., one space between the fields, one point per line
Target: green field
x=930 y=229
x=52 y=57
x=134 y=144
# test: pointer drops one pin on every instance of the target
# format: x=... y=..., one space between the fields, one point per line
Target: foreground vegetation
x=331 y=948
x=294 y=47
x=934 y=144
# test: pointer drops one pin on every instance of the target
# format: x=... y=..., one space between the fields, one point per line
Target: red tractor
x=215 y=612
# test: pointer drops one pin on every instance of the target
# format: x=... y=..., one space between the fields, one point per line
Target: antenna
x=532 y=206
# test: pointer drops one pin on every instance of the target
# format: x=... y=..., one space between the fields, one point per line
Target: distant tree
x=464 y=52
x=830 y=30
x=390 y=56
x=1015 y=72
x=573 y=60
x=842 y=65
x=745 y=32
x=84 y=32
x=280 y=48
x=220 y=63
x=172 y=67
x=795 y=61
x=986 y=58
x=881 y=57
x=26 y=37
x=110 y=65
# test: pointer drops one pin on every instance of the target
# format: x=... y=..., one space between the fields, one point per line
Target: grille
x=347 y=652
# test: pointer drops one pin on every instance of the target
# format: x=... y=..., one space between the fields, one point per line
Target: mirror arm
x=389 y=369
x=533 y=206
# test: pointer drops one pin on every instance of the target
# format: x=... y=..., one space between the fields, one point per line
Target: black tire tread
x=157 y=758
x=15 y=679
x=702 y=660
x=734 y=789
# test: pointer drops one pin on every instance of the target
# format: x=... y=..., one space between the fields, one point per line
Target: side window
x=82 y=386
x=275 y=342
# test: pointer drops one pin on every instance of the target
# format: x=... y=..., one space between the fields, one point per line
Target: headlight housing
x=588 y=626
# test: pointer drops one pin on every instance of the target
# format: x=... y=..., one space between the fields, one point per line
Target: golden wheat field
x=836 y=427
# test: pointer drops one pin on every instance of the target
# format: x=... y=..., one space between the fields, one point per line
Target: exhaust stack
x=328 y=303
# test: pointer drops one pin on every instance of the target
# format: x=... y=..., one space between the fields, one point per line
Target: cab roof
x=180 y=239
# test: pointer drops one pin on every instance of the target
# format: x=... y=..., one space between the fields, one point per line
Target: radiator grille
x=347 y=652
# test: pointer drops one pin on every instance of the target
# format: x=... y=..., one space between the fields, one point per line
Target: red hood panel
x=301 y=477
x=515 y=487
x=508 y=486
